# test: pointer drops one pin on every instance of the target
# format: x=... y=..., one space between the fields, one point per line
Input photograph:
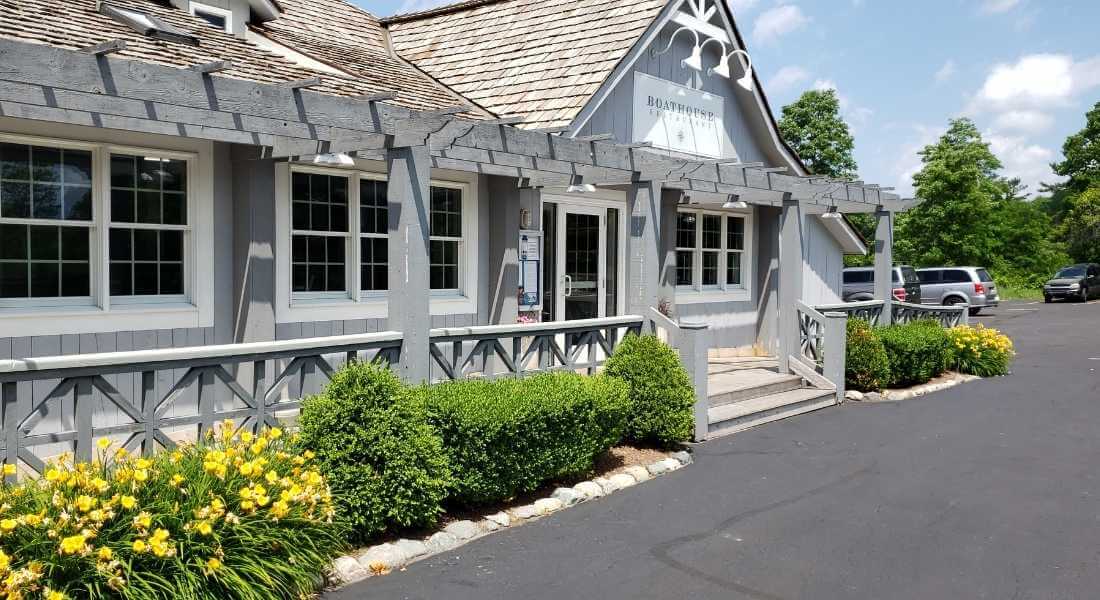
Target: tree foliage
x=1082 y=155
x=812 y=126
x=972 y=216
x=1082 y=226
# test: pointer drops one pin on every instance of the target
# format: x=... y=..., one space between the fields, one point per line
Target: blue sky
x=1025 y=70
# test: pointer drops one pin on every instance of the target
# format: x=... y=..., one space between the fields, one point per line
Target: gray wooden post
x=884 y=263
x=644 y=270
x=670 y=199
x=693 y=353
x=790 y=280
x=9 y=404
x=836 y=348
x=409 y=171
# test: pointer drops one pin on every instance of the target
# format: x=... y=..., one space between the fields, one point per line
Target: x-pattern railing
x=811 y=336
x=948 y=316
x=522 y=349
x=148 y=412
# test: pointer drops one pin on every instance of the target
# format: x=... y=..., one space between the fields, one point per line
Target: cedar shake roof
x=75 y=24
x=539 y=59
x=351 y=40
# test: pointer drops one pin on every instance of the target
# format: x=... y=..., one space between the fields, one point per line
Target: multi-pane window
x=708 y=245
x=685 y=247
x=45 y=222
x=446 y=237
x=373 y=235
x=319 y=237
x=148 y=226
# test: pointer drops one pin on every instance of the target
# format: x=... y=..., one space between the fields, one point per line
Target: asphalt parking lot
x=986 y=490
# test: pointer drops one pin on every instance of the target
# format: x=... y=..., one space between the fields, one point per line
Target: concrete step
x=740 y=363
x=736 y=386
x=739 y=416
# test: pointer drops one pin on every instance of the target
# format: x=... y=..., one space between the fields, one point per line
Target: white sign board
x=678 y=118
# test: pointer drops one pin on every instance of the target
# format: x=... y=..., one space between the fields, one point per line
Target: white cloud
x=787 y=78
x=778 y=21
x=998 y=6
x=908 y=162
x=1023 y=121
x=1027 y=161
x=1034 y=81
x=740 y=7
x=946 y=72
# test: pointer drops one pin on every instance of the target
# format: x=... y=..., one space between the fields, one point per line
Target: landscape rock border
x=947 y=380
x=383 y=558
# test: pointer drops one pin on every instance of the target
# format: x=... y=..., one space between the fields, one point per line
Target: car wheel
x=1084 y=294
x=1048 y=299
x=974 y=310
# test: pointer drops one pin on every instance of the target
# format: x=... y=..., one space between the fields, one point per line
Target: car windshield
x=1070 y=272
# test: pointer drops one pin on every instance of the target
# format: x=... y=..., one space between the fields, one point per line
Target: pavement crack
x=662 y=551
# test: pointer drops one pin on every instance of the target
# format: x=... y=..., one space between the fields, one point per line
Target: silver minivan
x=948 y=286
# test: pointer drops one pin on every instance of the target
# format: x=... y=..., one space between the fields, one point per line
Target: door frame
x=597 y=203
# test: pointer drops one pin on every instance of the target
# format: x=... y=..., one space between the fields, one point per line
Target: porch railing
x=460 y=352
x=822 y=344
x=901 y=312
x=948 y=316
x=81 y=387
x=868 y=310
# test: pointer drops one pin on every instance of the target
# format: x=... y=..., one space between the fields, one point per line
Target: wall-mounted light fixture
x=735 y=202
x=578 y=186
x=695 y=61
x=832 y=213
x=334 y=160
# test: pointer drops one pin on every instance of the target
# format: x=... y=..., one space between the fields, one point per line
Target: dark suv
x=859 y=284
x=1080 y=281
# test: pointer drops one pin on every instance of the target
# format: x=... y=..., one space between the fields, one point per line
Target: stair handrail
x=822 y=347
x=690 y=339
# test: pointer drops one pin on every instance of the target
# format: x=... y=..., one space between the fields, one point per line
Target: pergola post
x=643 y=247
x=409 y=170
x=884 y=263
x=790 y=280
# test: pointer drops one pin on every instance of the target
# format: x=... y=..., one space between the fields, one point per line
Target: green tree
x=1025 y=252
x=814 y=129
x=1082 y=155
x=1082 y=226
x=958 y=184
x=812 y=126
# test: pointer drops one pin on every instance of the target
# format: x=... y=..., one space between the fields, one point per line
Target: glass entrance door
x=581 y=265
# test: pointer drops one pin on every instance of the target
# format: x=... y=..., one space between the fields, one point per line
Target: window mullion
x=101 y=215
x=697 y=267
x=354 y=236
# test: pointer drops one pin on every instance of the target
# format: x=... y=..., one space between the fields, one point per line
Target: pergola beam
x=290 y=120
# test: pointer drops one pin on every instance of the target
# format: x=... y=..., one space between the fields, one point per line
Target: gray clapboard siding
x=615 y=115
x=824 y=264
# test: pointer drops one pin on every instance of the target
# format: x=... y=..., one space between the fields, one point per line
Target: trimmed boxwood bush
x=510 y=436
x=917 y=351
x=660 y=390
x=867 y=368
x=385 y=463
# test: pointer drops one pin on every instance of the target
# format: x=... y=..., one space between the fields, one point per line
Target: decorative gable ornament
x=697 y=22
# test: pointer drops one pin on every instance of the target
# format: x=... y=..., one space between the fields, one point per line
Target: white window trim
x=298 y=307
x=100 y=313
x=697 y=293
x=197 y=7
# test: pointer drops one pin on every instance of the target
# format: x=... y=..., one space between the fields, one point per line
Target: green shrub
x=236 y=516
x=980 y=350
x=661 y=392
x=867 y=367
x=385 y=463
x=510 y=436
x=917 y=351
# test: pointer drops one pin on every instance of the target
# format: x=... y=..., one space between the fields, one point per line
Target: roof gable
x=540 y=59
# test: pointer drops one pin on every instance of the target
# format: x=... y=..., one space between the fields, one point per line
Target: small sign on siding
x=678 y=118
